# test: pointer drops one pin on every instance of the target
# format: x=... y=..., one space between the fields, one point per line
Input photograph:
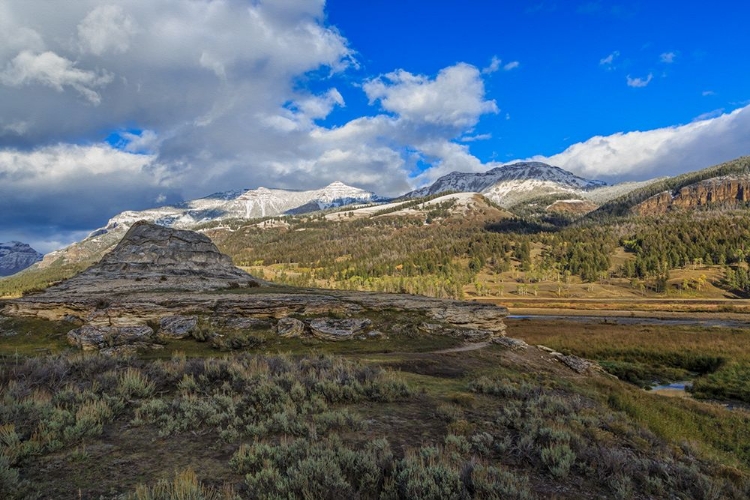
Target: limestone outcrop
x=338 y=329
x=90 y=338
x=153 y=257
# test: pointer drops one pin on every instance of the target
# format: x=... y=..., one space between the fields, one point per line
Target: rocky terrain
x=166 y=283
x=16 y=256
x=724 y=190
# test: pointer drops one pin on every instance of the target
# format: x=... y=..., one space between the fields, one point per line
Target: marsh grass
x=718 y=359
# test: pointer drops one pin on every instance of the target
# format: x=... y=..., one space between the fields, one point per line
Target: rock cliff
x=719 y=191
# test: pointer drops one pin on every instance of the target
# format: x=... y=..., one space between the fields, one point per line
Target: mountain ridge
x=511 y=184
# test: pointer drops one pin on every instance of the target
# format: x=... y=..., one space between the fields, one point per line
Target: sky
x=108 y=106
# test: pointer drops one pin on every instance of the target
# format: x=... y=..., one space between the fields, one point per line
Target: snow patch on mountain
x=511 y=184
x=249 y=204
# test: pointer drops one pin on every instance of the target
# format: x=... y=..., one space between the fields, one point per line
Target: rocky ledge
x=161 y=284
x=718 y=191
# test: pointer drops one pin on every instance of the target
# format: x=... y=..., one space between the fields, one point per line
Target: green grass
x=32 y=336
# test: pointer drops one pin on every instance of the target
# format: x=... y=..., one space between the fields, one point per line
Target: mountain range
x=544 y=187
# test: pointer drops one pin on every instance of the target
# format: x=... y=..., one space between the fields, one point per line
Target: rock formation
x=572 y=207
x=16 y=256
x=162 y=284
x=151 y=256
x=727 y=190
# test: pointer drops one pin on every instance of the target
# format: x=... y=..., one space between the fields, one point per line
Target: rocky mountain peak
x=16 y=256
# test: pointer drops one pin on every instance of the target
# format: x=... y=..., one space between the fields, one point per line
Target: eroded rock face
x=716 y=191
x=90 y=338
x=290 y=327
x=177 y=327
x=338 y=329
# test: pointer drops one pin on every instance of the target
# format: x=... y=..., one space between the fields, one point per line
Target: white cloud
x=53 y=71
x=707 y=93
x=455 y=98
x=447 y=157
x=106 y=28
x=666 y=151
x=667 y=57
x=709 y=114
x=609 y=60
x=473 y=138
x=493 y=66
x=639 y=82
x=511 y=65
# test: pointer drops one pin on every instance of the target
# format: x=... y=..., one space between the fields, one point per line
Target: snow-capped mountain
x=16 y=256
x=249 y=204
x=511 y=184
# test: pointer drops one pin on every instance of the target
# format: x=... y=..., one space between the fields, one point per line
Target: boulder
x=90 y=338
x=177 y=327
x=290 y=327
x=512 y=344
x=578 y=365
x=338 y=329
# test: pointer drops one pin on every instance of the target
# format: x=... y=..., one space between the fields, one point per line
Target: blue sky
x=562 y=92
x=119 y=105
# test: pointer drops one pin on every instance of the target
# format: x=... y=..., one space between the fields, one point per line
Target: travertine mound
x=151 y=256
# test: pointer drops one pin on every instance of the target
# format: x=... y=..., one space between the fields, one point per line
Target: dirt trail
x=463 y=348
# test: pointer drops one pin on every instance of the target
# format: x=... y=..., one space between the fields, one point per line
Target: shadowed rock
x=177 y=327
x=338 y=329
x=290 y=327
x=91 y=338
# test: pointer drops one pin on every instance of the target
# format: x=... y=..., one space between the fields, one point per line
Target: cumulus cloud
x=53 y=71
x=511 y=65
x=191 y=86
x=455 y=98
x=106 y=28
x=639 y=82
x=64 y=189
x=666 y=151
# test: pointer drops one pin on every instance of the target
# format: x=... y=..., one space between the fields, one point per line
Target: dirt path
x=463 y=348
